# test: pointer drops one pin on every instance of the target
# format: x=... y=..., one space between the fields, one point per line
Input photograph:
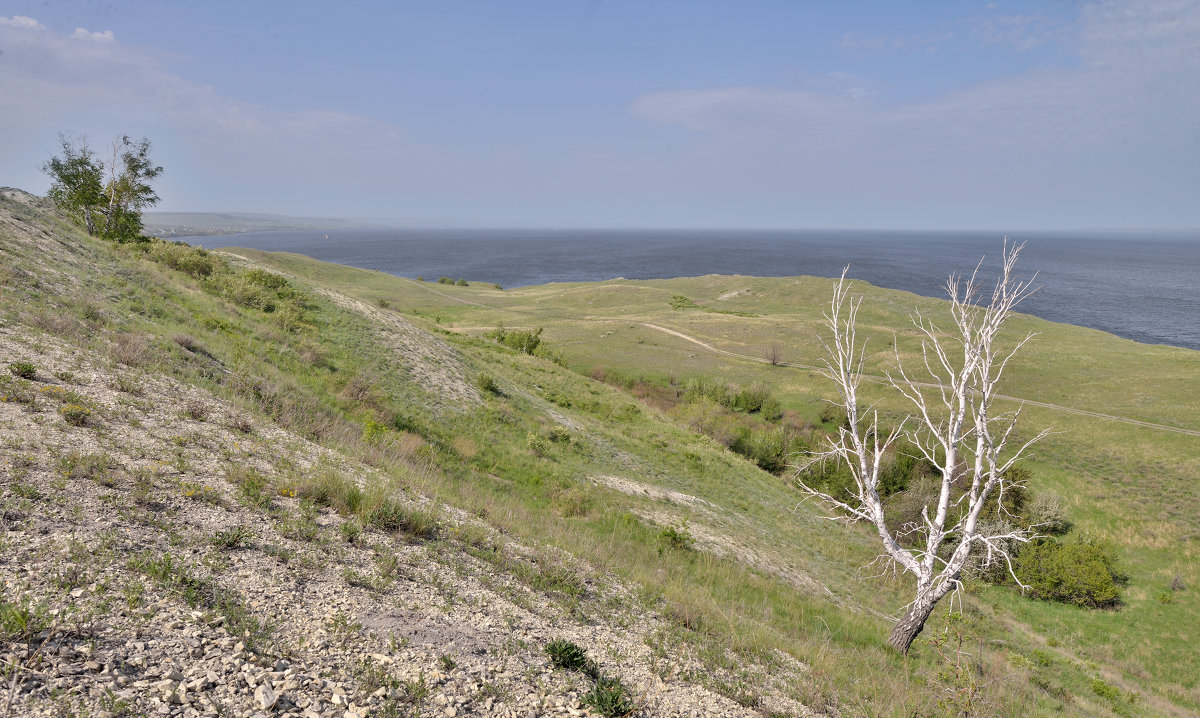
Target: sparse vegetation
x=23 y=369
x=630 y=463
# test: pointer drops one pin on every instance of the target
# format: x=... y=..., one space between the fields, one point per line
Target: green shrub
x=538 y=445
x=770 y=448
x=1082 y=572
x=676 y=537
x=253 y=488
x=78 y=465
x=351 y=531
x=681 y=302
x=462 y=283
x=22 y=621
x=75 y=414
x=609 y=697
x=17 y=390
x=487 y=383
x=1046 y=512
x=182 y=257
x=832 y=413
x=23 y=369
x=394 y=517
x=445 y=280
x=231 y=539
x=569 y=656
x=522 y=340
x=751 y=400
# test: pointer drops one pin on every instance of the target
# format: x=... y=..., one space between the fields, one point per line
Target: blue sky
x=991 y=115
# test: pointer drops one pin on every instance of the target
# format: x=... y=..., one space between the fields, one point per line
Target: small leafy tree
x=77 y=186
x=107 y=199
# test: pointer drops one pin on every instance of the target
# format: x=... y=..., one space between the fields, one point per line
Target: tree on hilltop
x=107 y=199
x=953 y=424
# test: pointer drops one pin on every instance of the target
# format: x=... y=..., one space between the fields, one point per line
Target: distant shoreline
x=1140 y=286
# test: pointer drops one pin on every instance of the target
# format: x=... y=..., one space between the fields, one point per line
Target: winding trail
x=874 y=378
x=883 y=380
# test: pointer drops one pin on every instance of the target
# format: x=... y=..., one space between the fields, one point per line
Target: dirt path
x=883 y=380
x=873 y=378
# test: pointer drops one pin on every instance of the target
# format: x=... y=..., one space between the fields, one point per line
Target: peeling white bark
x=952 y=423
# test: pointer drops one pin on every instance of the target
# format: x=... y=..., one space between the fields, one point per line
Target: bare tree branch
x=963 y=437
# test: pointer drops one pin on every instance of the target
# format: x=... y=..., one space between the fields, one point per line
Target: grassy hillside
x=627 y=515
x=1124 y=453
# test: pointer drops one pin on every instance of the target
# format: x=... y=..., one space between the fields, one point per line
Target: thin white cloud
x=20 y=21
x=82 y=33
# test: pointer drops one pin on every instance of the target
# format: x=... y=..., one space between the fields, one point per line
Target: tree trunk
x=91 y=223
x=907 y=629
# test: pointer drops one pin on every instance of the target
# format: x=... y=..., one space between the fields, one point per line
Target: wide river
x=1140 y=285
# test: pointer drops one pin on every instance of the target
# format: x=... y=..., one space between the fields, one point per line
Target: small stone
x=92 y=666
x=173 y=675
x=450 y=712
x=265 y=697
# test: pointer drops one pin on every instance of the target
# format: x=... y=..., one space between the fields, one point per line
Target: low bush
x=23 y=369
x=609 y=697
x=569 y=656
x=675 y=537
x=538 y=445
x=395 y=517
x=78 y=465
x=253 y=488
x=525 y=341
x=180 y=256
x=17 y=390
x=75 y=414
x=1080 y=572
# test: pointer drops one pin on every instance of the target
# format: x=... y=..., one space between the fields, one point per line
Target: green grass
x=780 y=577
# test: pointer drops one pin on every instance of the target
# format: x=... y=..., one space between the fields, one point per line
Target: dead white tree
x=953 y=423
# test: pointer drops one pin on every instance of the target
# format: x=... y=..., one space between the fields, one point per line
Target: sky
x=628 y=113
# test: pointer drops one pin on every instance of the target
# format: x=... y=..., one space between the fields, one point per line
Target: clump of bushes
x=254 y=489
x=679 y=301
x=569 y=656
x=78 y=465
x=525 y=341
x=756 y=399
x=487 y=383
x=75 y=414
x=180 y=256
x=23 y=369
x=17 y=390
x=608 y=696
x=1082 y=572
x=677 y=538
x=538 y=445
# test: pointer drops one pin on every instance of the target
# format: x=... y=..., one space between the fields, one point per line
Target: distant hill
x=200 y=224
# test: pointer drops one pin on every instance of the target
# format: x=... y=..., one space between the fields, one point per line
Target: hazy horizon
x=978 y=115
